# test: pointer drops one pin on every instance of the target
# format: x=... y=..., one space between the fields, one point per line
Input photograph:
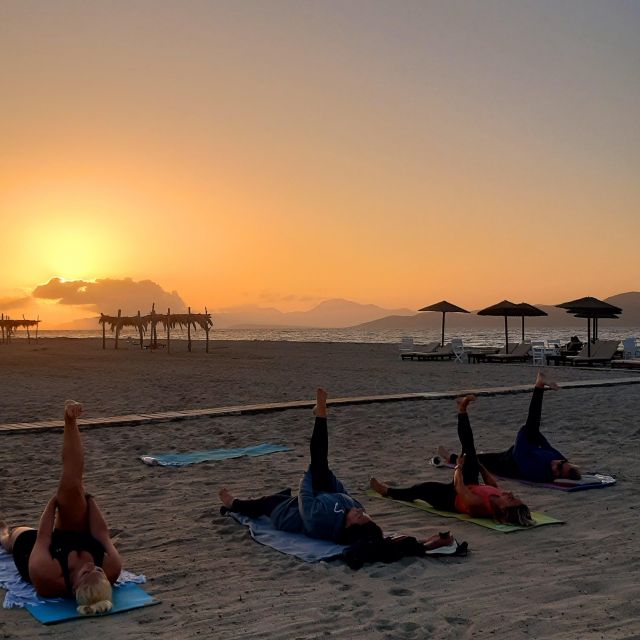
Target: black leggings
x=442 y=495
x=321 y=474
x=502 y=462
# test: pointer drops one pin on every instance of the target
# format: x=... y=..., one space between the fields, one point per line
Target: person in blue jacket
x=323 y=507
x=531 y=457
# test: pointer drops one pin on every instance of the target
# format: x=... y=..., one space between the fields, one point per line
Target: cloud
x=108 y=295
x=14 y=303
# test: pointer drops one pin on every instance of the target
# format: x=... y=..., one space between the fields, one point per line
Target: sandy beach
x=578 y=580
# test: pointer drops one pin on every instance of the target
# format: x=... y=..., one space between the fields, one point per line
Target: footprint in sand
x=400 y=592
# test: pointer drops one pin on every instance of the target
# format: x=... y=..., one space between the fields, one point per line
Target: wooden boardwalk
x=237 y=410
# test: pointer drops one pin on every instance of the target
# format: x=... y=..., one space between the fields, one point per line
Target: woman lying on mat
x=324 y=509
x=464 y=494
x=71 y=553
x=531 y=457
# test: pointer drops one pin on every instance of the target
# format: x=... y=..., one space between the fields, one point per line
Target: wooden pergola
x=150 y=323
x=8 y=327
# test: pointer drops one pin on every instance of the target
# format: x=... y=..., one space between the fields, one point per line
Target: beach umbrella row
x=588 y=307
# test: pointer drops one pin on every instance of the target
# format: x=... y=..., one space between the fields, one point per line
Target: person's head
x=564 y=469
x=92 y=590
x=358 y=525
x=508 y=508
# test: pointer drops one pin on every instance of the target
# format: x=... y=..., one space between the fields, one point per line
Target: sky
x=280 y=153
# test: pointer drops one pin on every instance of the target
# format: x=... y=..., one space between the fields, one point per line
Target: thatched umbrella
x=529 y=311
x=590 y=308
x=444 y=307
x=506 y=309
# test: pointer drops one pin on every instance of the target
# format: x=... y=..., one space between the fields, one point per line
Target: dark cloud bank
x=108 y=295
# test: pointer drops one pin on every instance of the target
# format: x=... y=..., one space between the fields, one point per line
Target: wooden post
x=154 y=327
x=118 y=328
x=37 y=325
x=140 y=329
x=27 y=328
x=104 y=332
x=2 y=327
x=189 y=330
x=168 y=330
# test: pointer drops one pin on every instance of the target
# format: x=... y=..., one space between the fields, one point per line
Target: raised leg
x=471 y=469
x=72 y=504
x=531 y=429
x=319 y=447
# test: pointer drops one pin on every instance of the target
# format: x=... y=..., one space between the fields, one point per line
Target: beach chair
x=538 y=352
x=602 y=352
x=419 y=350
x=458 y=349
x=630 y=348
x=554 y=347
x=406 y=344
x=441 y=353
x=519 y=354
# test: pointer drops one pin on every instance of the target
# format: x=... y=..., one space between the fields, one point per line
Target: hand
x=72 y=409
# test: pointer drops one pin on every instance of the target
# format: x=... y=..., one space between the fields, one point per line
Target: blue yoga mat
x=125 y=597
x=184 y=459
x=292 y=544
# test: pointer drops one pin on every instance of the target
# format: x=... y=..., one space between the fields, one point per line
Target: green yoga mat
x=540 y=518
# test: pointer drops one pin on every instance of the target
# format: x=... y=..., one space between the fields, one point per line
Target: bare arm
x=488 y=477
x=112 y=564
x=44 y=571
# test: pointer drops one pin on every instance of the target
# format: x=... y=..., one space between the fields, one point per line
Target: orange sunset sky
x=280 y=153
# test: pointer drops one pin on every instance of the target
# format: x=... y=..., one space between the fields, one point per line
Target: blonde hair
x=95 y=597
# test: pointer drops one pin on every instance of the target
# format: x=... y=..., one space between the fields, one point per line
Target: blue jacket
x=318 y=515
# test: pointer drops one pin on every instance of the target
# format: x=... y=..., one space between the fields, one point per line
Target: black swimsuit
x=62 y=544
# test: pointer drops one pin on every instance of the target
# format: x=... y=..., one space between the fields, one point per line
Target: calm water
x=470 y=337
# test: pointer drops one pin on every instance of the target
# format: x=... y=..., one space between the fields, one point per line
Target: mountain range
x=338 y=314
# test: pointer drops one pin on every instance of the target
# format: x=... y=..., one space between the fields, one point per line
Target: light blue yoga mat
x=293 y=544
x=20 y=594
x=125 y=597
x=184 y=459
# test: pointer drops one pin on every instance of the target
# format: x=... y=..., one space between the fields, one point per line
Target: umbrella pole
x=589 y=337
x=506 y=335
x=444 y=313
x=522 y=328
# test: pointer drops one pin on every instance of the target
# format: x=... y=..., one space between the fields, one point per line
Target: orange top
x=483 y=491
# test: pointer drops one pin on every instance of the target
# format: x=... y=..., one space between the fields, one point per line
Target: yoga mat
x=540 y=518
x=126 y=593
x=589 y=480
x=125 y=597
x=292 y=544
x=184 y=459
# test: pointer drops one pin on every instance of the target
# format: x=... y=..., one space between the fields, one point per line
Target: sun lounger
x=602 y=352
x=519 y=354
x=419 y=351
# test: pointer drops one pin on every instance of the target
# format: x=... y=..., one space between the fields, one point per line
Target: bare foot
x=464 y=402
x=72 y=409
x=444 y=453
x=444 y=539
x=226 y=497
x=320 y=410
x=542 y=382
x=376 y=485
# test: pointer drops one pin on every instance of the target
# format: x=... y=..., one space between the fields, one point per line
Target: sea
x=471 y=337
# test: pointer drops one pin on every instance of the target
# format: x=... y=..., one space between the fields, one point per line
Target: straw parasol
x=444 y=307
x=506 y=309
x=591 y=309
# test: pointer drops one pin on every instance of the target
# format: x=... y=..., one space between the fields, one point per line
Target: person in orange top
x=465 y=494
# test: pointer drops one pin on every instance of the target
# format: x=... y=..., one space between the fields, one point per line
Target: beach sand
x=578 y=580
